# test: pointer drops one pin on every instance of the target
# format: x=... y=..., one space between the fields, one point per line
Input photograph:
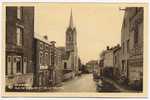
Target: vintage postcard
x=74 y=49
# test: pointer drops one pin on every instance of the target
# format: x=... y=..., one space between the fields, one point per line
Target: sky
x=97 y=25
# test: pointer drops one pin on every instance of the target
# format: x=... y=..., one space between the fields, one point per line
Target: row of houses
x=125 y=61
x=33 y=60
x=92 y=66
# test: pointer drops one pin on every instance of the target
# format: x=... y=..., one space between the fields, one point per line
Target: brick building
x=19 y=45
x=43 y=65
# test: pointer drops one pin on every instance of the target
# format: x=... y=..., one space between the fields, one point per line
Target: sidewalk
x=118 y=86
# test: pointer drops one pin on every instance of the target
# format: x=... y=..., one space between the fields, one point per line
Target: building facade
x=43 y=62
x=92 y=66
x=59 y=66
x=108 y=62
x=132 y=44
x=117 y=62
x=19 y=46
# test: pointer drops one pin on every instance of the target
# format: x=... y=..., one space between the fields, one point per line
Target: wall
x=108 y=59
x=26 y=23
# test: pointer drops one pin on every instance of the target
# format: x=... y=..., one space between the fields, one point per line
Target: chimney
x=53 y=42
x=118 y=45
x=107 y=47
x=45 y=37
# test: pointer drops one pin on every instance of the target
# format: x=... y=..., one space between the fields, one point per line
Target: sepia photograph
x=75 y=49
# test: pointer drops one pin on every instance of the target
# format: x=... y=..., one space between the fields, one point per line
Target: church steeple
x=71 y=20
x=71 y=35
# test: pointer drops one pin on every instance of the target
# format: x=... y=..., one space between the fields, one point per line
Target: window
x=50 y=55
x=123 y=66
x=65 y=65
x=9 y=65
x=14 y=59
x=128 y=46
x=25 y=59
x=115 y=59
x=41 y=58
x=46 y=58
x=18 y=64
x=123 y=48
x=40 y=80
x=41 y=45
x=19 y=36
x=46 y=47
x=19 y=12
x=136 y=32
x=9 y=58
x=24 y=65
x=136 y=11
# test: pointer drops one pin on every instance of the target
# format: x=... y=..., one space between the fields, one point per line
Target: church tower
x=71 y=44
x=71 y=40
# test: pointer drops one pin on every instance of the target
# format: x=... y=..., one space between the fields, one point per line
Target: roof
x=65 y=54
x=61 y=48
x=92 y=62
x=36 y=36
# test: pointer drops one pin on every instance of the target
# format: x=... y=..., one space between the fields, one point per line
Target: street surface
x=83 y=83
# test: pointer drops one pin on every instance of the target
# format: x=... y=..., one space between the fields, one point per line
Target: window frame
x=46 y=58
x=40 y=58
x=136 y=34
x=25 y=59
x=9 y=59
x=19 y=57
x=19 y=13
x=19 y=40
x=41 y=45
x=128 y=45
